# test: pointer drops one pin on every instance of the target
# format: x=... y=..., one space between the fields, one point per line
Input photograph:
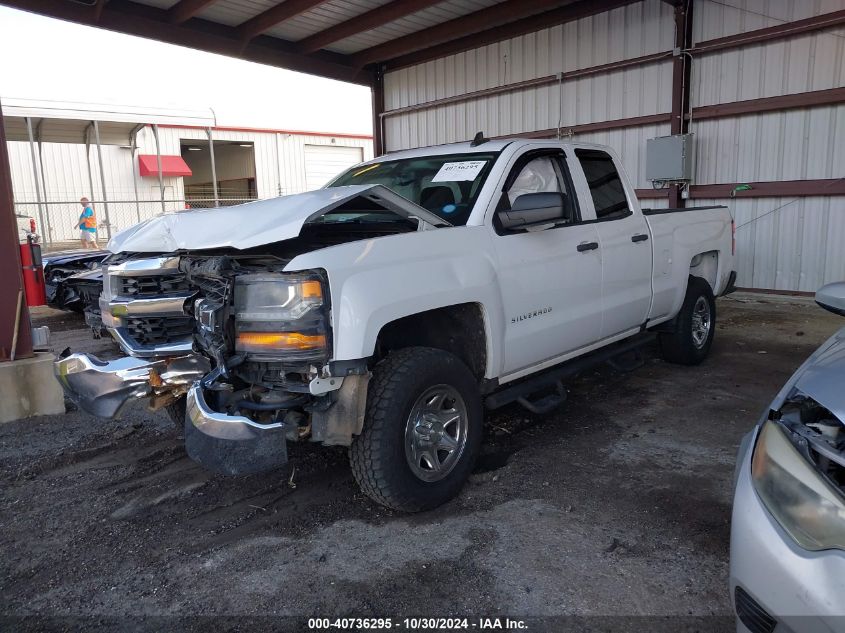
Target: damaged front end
x=243 y=344
x=253 y=339
x=798 y=464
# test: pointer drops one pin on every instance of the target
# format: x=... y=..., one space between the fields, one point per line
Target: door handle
x=642 y=237
x=587 y=246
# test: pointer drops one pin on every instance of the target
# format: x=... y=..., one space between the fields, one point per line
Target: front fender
x=376 y=281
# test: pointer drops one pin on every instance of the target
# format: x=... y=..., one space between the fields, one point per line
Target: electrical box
x=669 y=158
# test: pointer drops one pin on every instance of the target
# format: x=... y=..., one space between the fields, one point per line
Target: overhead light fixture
x=193 y=148
x=245 y=144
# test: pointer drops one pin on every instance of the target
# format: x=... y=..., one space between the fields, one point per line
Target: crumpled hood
x=255 y=223
x=822 y=379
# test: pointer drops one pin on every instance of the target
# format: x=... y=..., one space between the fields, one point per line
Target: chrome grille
x=154 y=331
x=151 y=285
x=145 y=305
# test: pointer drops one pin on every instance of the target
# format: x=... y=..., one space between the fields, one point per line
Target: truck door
x=625 y=244
x=550 y=276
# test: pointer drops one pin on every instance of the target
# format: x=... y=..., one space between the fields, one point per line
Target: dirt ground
x=618 y=504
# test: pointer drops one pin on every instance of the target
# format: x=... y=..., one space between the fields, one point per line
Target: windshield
x=447 y=185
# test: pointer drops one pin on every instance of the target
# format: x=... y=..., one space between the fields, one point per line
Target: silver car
x=788 y=528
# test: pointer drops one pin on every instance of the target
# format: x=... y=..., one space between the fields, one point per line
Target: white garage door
x=324 y=162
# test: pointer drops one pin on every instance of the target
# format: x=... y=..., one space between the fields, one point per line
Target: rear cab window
x=606 y=187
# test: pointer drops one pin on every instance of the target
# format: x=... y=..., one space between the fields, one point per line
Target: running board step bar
x=554 y=377
x=545 y=404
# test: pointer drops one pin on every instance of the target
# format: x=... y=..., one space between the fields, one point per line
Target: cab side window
x=538 y=172
x=606 y=186
x=537 y=176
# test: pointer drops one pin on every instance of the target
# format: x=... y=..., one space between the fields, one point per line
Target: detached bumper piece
x=231 y=444
x=104 y=388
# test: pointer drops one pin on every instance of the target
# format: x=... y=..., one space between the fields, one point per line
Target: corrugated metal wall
x=279 y=170
x=782 y=243
x=633 y=31
x=785 y=244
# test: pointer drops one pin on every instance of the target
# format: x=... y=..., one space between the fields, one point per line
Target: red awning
x=170 y=165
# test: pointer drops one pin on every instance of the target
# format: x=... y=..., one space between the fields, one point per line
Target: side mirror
x=531 y=209
x=832 y=297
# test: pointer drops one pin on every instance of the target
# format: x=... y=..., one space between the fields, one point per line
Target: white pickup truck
x=384 y=311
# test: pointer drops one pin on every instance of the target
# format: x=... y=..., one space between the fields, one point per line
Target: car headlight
x=281 y=316
x=809 y=508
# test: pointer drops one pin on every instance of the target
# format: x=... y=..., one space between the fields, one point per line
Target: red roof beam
x=495 y=23
x=275 y=15
x=419 y=47
x=365 y=22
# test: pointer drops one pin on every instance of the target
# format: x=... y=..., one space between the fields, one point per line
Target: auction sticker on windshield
x=457 y=172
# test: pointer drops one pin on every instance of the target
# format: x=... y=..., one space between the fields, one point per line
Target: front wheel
x=695 y=326
x=176 y=413
x=422 y=431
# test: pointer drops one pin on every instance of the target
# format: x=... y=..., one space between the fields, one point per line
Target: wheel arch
x=705 y=265
x=460 y=329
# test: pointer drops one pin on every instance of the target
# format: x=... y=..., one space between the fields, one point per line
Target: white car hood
x=256 y=223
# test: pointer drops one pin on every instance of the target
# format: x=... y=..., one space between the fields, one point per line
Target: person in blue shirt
x=87 y=225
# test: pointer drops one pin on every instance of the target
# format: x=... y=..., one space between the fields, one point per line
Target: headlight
x=281 y=316
x=805 y=505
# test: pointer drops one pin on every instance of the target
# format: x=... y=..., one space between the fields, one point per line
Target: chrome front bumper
x=228 y=444
x=104 y=388
x=231 y=444
x=221 y=425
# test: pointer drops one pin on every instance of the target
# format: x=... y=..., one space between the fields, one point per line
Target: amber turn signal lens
x=311 y=290
x=280 y=341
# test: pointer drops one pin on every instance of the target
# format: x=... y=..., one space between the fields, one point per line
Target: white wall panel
x=620 y=94
x=800 y=64
x=714 y=19
x=788 y=243
x=638 y=29
x=791 y=145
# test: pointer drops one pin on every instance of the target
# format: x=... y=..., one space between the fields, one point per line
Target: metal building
x=203 y=164
x=759 y=83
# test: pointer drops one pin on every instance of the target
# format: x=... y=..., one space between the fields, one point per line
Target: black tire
x=680 y=346
x=176 y=412
x=378 y=454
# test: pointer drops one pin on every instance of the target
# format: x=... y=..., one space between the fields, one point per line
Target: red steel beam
x=470 y=31
x=184 y=10
x=275 y=15
x=773 y=189
x=364 y=22
x=766 y=189
x=598 y=126
x=377 y=88
x=788 y=29
x=680 y=84
x=11 y=281
x=798 y=100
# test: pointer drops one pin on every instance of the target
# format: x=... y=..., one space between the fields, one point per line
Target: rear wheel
x=690 y=342
x=422 y=430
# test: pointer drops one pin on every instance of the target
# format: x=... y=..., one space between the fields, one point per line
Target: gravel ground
x=618 y=504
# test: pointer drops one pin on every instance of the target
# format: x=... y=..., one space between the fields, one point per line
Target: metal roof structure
x=348 y=40
x=68 y=122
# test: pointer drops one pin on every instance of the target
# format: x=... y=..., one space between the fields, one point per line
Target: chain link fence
x=57 y=221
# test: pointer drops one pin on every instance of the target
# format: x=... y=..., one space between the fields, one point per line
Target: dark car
x=59 y=267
